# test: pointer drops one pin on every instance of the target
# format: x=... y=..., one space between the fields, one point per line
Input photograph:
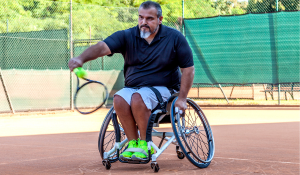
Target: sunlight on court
x=73 y=122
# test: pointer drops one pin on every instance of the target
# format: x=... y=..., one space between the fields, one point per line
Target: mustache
x=144 y=26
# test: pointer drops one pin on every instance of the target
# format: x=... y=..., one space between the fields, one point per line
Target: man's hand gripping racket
x=91 y=95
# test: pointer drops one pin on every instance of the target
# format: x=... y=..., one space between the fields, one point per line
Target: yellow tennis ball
x=80 y=72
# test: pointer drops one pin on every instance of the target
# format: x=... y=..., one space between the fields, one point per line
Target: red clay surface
x=241 y=148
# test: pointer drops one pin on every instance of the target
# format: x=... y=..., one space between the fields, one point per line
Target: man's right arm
x=98 y=50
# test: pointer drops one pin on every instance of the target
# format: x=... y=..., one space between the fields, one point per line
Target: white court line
x=248 y=160
x=28 y=160
x=258 y=160
x=40 y=146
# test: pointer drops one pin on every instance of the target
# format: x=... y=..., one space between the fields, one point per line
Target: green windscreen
x=47 y=49
x=252 y=48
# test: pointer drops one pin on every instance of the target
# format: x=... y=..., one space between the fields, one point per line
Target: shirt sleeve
x=116 y=42
x=184 y=52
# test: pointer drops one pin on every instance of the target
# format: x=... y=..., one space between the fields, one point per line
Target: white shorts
x=147 y=95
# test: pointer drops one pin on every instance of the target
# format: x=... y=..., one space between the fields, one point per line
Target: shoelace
x=132 y=143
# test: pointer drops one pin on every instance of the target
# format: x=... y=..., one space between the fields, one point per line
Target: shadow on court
x=240 y=149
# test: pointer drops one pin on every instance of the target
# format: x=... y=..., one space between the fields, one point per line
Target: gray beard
x=147 y=34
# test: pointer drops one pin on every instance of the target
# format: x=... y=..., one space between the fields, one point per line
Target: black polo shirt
x=154 y=64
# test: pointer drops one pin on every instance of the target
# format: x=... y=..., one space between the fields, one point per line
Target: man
x=153 y=54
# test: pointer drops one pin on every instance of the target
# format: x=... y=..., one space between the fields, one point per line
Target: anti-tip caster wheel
x=107 y=164
x=180 y=155
x=154 y=166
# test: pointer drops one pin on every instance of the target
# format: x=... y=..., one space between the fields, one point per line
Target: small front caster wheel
x=155 y=167
x=180 y=155
x=107 y=164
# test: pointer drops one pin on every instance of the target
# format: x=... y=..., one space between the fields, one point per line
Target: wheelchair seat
x=187 y=127
x=164 y=117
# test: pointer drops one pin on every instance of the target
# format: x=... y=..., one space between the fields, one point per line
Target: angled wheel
x=107 y=136
x=107 y=164
x=154 y=166
x=194 y=134
x=180 y=155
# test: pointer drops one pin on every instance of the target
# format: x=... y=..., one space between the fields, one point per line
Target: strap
x=140 y=150
x=157 y=93
x=162 y=139
x=159 y=97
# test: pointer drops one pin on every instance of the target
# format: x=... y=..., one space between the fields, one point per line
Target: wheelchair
x=192 y=135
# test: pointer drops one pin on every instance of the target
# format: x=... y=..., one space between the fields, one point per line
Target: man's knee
x=119 y=101
x=137 y=101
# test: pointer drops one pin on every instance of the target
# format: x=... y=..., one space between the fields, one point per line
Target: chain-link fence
x=37 y=38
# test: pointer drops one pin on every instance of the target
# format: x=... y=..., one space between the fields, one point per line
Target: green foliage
x=100 y=18
x=261 y=6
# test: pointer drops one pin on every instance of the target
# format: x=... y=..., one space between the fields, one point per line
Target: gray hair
x=149 y=4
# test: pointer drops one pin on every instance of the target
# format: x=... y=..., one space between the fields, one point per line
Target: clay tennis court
x=248 y=141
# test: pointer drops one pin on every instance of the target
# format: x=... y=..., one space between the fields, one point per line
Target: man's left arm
x=186 y=64
x=186 y=84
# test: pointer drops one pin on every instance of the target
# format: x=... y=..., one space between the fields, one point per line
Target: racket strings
x=90 y=96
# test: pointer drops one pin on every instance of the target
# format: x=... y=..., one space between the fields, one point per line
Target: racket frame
x=89 y=81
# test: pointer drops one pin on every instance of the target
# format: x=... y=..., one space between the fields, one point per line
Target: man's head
x=150 y=16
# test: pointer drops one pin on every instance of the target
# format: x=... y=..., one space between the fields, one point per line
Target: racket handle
x=80 y=72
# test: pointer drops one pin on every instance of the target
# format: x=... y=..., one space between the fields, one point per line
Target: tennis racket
x=91 y=95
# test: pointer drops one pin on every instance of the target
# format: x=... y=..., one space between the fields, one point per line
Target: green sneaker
x=127 y=154
x=143 y=153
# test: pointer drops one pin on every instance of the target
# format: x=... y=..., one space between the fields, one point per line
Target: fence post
x=6 y=93
x=90 y=44
x=223 y=93
x=71 y=56
x=278 y=94
x=198 y=85
x=253 y=96
x=276 y=5
x=182 y=17
x=6 y=25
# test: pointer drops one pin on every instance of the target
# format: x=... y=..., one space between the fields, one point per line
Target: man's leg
x=125 y=116
x=141 y=114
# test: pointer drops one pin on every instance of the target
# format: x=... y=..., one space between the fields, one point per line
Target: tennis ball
x=80 y=72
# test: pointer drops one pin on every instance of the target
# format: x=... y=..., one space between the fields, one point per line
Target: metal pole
x=276 y=5
x=253 y=97
x=6 y=25
x=182 y=17
x=278 y=94
x=198 y=89
x=90 y=33
x=71 y=56
x=223 y=93
x=6 y=93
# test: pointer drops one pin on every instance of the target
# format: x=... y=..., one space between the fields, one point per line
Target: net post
x=6 y=93
x=224 y=93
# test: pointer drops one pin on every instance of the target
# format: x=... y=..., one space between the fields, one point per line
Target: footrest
x=134 y=161
x=138 y=161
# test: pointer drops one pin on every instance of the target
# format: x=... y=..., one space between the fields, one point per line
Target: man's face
x=148 y=21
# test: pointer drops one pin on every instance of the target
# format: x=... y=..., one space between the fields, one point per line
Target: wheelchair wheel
x=193 y=134
x=107 y=136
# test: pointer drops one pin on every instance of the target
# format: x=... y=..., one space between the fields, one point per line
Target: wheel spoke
x=195 y=135
x=107 y=139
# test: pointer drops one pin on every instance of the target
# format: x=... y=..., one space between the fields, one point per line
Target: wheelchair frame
x=170 y=137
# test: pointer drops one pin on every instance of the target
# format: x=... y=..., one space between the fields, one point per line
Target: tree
x=261 y=6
